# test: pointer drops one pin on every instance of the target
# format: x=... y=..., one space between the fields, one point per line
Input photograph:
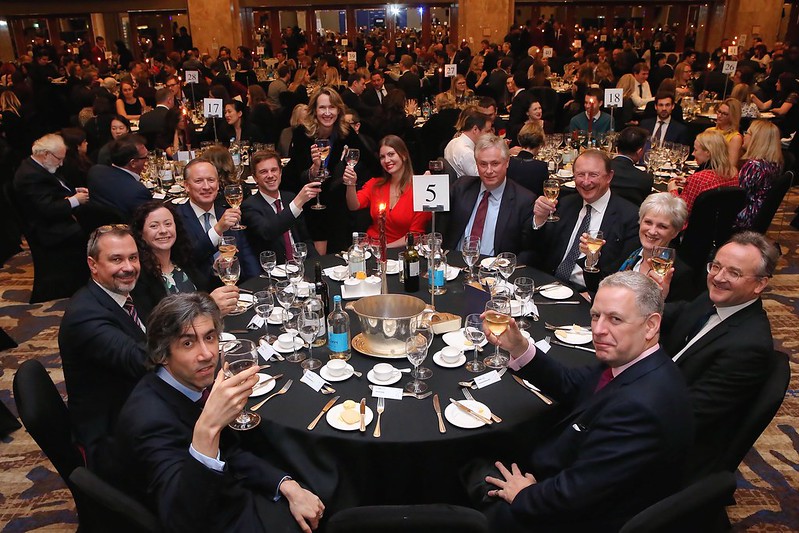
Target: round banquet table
x=411 y=462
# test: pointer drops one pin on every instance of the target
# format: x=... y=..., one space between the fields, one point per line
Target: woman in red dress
x=393 y=191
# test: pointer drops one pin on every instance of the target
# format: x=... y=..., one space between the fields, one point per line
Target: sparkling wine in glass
x=353 y=156
x=594 y=242
x=662 y=260
x=239 y=355
x=234 y=195
x=229 y=270
x=416 y=350
x=496 y=320
x=321 y=175
x=264 y=304
x=308 y=324
x=470 y=249
x=551 y=192
x=473 y=331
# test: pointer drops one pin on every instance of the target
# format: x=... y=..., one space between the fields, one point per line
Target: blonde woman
x=333 y=79
x=728 y=123
x=627 y=84
x=298 y=116
x=476 y=75
x=762 y=166
x=682 y=77
x=459 y=89
x=710 y=151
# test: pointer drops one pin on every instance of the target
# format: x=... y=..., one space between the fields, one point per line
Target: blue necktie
x=564 y=270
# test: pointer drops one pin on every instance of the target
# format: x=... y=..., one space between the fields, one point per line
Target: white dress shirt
x=200 y=214
x=598 y=209
x=460 y=154
x=640 y=100
x=490 y=226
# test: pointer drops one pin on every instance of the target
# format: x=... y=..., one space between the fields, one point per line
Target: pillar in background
x=480 y=19
x=742 y=15
x=98 y=26
x=6 y=44
x=214 y=20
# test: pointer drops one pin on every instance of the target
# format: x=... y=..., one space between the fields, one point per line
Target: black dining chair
x=438 y=518
x=771 y=202
x=697 y=508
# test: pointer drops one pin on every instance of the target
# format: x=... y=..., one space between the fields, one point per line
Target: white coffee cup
x=384 y=371
x=286 y=340
x=303 y=289
x=450 y=354
x=336 y=367
x=341 y=272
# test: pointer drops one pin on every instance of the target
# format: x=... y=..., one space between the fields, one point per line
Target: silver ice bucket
x=387 y=321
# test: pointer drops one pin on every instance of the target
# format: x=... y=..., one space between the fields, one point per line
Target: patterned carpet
x=33 y=497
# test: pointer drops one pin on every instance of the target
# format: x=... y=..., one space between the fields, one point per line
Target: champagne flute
x=227 y=246
x=291 y=325
x=234 y=196
x=470 y=249
x=662 y=260
x=524 y=288
x=595 y=241
x=268 y=260
x=309 y=328
x=497 y=318
x=353 y=156
x=416 y=349
x=239 y=355
x=324 y=151
x=264 y=304
x=229 y=270
x=551 y=192
x=473 y=331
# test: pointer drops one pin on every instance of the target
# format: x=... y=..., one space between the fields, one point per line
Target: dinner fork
x=283 y=390
x=381 y=406
x=467 y=393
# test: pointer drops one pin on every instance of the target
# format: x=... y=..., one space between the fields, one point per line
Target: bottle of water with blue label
x=338 y=331
x=437 y=272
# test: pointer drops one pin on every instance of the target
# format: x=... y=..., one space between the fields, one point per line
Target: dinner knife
x=475 y=414
x=363 y=415
x=437 y=406
x=541 y=397
x=325 y=409
x=583 y=348
x=267 y=381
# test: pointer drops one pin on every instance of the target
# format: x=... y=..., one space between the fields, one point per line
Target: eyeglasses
x=172 y=85
x=714 y=269
x=59 y=158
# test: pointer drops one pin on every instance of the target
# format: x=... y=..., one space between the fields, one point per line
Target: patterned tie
x=480 y=217
x=131 y=310
x=564 y=270
x=204 y=396
x=207 y=222
x=656 y=137
x=604 y=379
x=286 y=236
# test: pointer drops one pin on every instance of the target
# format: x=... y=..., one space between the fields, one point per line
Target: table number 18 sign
x=613 y=97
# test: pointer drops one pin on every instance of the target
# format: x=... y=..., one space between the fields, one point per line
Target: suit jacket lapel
x=130 y=327
x=505 y=210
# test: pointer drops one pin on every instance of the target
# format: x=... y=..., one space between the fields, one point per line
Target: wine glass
x=551 y=192
x=435 y=166
x=524 y=288
x=470 y=249
x=324 y=150
x=488 y=277
x=239 y=355
x=662 y=260
x=264 y=304
x=594 y=242
x=353 y=156
x=308 y=324
x=234 y=196
x=268 y=260
x=295 y=270
x=425 y=329
x=291 y=325
x=229 y=270
x=506 y=264
x=473 y=331
x=299 y=250
x=416 y=349
x=284 y=293
x=227 y=246
x=377 y=252
x=497 y=318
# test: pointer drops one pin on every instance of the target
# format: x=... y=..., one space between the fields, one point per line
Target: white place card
x=577 y=43
x=185 y=155
x=313 y=380
x=159 y=196
x=603 y=38
x=489 y=378
x=543 y=345
x=109 y=55
x=256 y=322
x=392 y=393
x=266 y=351
x=732 y=50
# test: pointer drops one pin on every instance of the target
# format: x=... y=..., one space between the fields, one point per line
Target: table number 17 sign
x=212 y=108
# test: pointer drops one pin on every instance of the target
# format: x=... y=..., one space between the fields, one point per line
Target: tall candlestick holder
x=381 y=226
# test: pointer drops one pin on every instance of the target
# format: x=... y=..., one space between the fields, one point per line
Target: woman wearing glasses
x=728 y=123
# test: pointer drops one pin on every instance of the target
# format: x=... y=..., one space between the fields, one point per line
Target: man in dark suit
x=174 y=440
x=152 y=123
x=206 y=221
x=490 y=206
x=525 y=169
x=274 y=217
x=102 y=342
x=498 y=79
x=722 y=343
x=627 y=431
x=353 y=95
x=629 y=182
x=663 y=127
x=520 y=100
x=409 y=82
x=374 y=94
x=119 y=186
x=560 y=247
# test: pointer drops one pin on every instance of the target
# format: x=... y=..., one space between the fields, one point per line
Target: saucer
x=457 y=340
x=390 y=381
x=563 y=173
x=265 y=389
x=279 y=271
x=570 y=184
x=558 y=292
x=464 y=420
x=225 y=336
x=244 y=303
x=333 y=418
x=325 y=373
x=440 y=362
x=279 y=347
x=276 y=317
x=367 y=256
x=571 y=337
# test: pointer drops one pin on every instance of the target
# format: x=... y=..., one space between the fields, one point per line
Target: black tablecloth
x=412 y=462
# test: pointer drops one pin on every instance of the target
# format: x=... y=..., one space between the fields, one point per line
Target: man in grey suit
x=119 y=186
x=629 y=182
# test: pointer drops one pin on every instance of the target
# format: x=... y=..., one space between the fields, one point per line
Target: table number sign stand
x=728 y=68
x=431 y=195
x=613 y=99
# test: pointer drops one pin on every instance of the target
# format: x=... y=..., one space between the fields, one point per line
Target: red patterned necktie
x=286 y=236
x=480 y=217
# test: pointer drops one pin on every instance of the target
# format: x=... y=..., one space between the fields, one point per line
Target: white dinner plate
x=572 y=337
x=487 y=262
x=440 y=362
x=265 y=389
x=558 y=292
x=570 y=185
x=464 y=420
x=371 y=377
x=279 y=271
x=344 y=255
x=457 y=340
x=333 y=418
x=327 y=376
